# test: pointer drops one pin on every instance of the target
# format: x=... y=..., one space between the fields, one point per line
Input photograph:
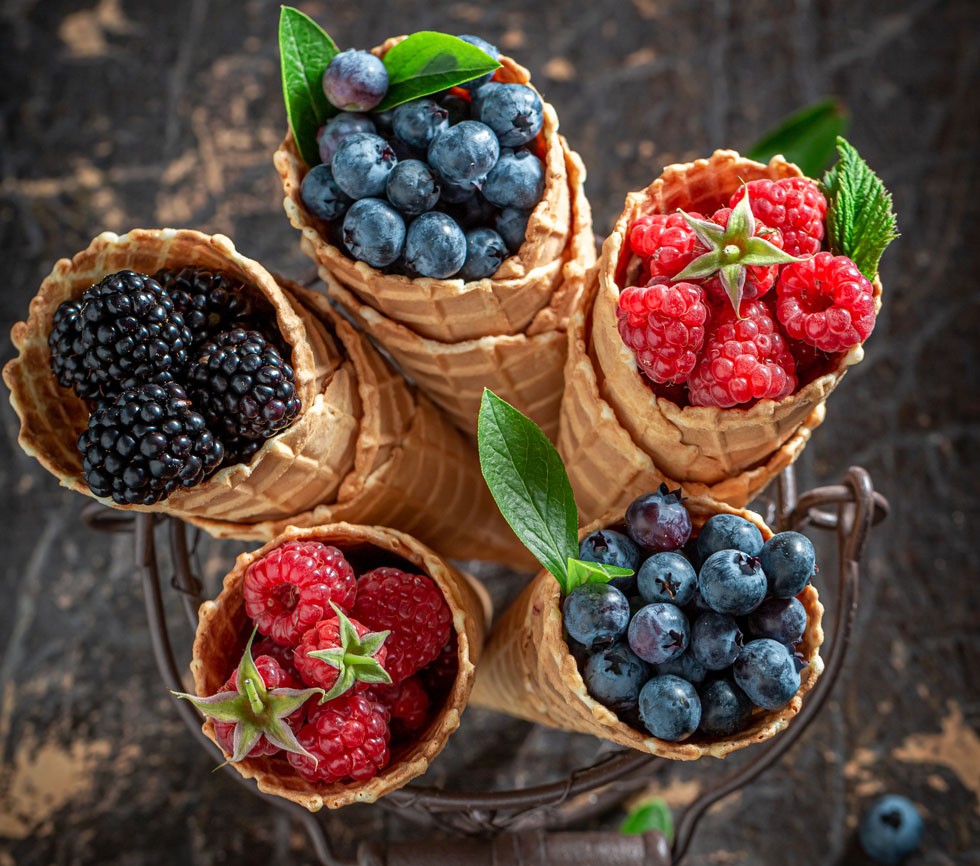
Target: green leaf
x=305 y=52
x=427 y=62
x=860 y=218
x=528 y=481
x=580 y=571
x=651 y=815
x=807 y=137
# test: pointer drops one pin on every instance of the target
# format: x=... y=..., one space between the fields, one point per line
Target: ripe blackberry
x=242 y=385
x=128 y=334
x=148 y=443
x=209 y=301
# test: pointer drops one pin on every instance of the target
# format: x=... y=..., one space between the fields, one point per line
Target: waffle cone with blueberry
x=223 y=631
x=615 y=425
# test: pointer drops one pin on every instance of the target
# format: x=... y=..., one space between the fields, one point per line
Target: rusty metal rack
x=526 y=827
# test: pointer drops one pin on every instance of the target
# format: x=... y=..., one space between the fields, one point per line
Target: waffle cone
x=222 y=632
x=454 y=310
x=528 y=671
x=524 y=369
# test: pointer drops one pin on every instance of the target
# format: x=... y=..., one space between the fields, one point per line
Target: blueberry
x=362 y=164
x=609 y=547
x=667 y=577
x=685 y=666
x=419 y=121
x=729 y=532
x=355 y=81
x=768 y=673
x=725 y=708
x=412 y=187
x=477 y=96
x=456 y=107
x=788 y=560
x=670 y=708
x=485 y=46
x=716 y=640
x=374 y=232
x=514 y=112
x=782 y=619
x=321 y=195
x=485 y=251
x=732 y=582
x=460 y=193
x=472 y=212
x=658 y=521
x=339 y=127
x=517 y=180
x=659 y=632
x=891 y=829
x=511 y=224
x=435 y=246
x=614 y=676
x=595 y=613
x=466 y=151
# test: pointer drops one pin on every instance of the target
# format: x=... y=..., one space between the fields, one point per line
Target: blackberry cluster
x=209 y=301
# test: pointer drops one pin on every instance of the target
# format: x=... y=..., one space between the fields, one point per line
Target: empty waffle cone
x=528 y=671
x=525 y=369
x=223 y=629
x=454 y=310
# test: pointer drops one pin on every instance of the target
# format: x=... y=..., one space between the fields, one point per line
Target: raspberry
x=744 y=359
x=290 y=589
x=326 y=634
x=274 y=677
x=666 y=241
x=407 y=703
x=759 y=279
x=826 y=302
x=440 y=675
x=794 y=205
x=349 y=739
x=664 y=326
x=413 y=609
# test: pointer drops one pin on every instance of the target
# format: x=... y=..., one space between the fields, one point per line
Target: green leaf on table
x=860 y=218
x=580 y=571
x=305 y=52
x=807 y=137
x=650 y=815
x=528 y=481
x=427 y=62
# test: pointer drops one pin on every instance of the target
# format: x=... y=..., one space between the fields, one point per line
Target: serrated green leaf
x=807 y=137
x=529 y=484
x=580 y=571
x=651 y=815
x=305 y=51
x=427 y=62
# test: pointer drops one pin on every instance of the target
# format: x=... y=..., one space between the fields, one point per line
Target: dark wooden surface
x=124 y=114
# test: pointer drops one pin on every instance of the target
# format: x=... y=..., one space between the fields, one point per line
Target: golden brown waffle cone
x=222 y=632
x=524 y=369
x=454 y=310
x=527 y=670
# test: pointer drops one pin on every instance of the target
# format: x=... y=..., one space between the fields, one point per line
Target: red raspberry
x=666 y=241
x=826 y=302
x=440 y=676
x=325 y=635
x=413 y=609
x=407 y=703
x=794 y=205
x=664 y=326
x=743 y=360
x=349 y=738
x=274 y=677
x=759 y=279
x=291 y=587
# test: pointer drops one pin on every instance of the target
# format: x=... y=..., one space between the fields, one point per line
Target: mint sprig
x=528 y=481
x=860 y=218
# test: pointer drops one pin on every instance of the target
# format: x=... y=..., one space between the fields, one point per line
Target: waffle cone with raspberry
x=528 y=671
x=223 y=629
x=614 y=427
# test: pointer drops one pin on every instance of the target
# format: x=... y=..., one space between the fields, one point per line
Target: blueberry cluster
x=441 y=186
x=704 y=630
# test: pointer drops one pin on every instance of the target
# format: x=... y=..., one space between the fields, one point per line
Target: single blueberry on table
x=659 y=632
x=339 y=127
x=355 y=81
x=768 y=673
x=464 y=152
x=670 y=708
x=374 y=232
x=419 y=121
x=658 y=521
x=782 y=619
x=608 y=547
x=595 y=614
x=614 y=676
x=456 y=107
x=891 y=829
x=732 y=582
x=514 y=112
x=716 y=640
x=517 y=180
x=412 y=187
x=486 y=47
x=362 y=164
x=485 y=252
x=667 y=576
x=511 y=224
x=729 y=532
x=685 y=666
x=321 y=195
x=725 y=708
x=788 y=560
x=434 y=246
